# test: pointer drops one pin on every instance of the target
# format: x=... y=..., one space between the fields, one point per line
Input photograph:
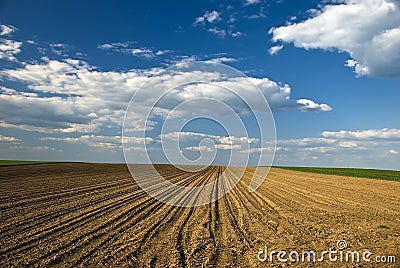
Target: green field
x=19 y=162
x=390 y=175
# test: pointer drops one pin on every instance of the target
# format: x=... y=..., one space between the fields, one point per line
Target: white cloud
x=208 y=16
x=309 y=105
x=129 y=48
x=347 y=144
x=275 y=49
x=59 y=49
x=162 y=52
x=256 y=150
x=183 y=60
x=326 y=151
x=116 y=45
x=228 y=146
x=199 y=148
x=384 y=133
x=196 y=137
x=361 y=148
x=105 y=46
x=251 y=2
x=211 y=16
x=208 y=22
x=75 y=92
x=143 y=52
x=7 y=29
x=235 y=33
x=35 y=148
x=9 y=48
x=321 y=150
x=221 y=60
x=8 y=139
x=218 y=32
x=191 y=141
x=188 y=141
x=368 y=30
x=222 y=33
x=79 y=98
x=259 y=15
x=347 y=140
x=307 y=142
x=100 y=141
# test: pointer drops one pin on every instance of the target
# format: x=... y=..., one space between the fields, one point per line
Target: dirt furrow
x=149 y=233
x=91 y=215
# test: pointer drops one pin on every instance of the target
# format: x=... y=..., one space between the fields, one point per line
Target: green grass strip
x=20 y=162
x=390 y=175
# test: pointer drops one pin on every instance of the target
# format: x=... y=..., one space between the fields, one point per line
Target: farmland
x=77 y=214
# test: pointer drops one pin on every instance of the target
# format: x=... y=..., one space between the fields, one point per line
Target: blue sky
x=69 y=68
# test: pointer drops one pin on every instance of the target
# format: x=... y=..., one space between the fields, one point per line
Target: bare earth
x=94 y=215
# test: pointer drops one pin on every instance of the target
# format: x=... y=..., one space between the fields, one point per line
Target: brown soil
x=94 y=214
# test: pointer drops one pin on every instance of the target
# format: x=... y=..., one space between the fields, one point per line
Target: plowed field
x=94 y=214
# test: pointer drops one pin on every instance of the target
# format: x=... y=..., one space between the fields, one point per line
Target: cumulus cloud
x=220 y=60
x=34 y=148
x=348 y=139
x=78 y=98
x=144 y=52
x=130 y=48
x=188 y=141
x=209 y=20
x=8 y=139
x=368 y=30
x=7 y=29
x=374 y=148
x=251 y=2
x=268 y=149
x=219 y=32
x=101 y=141
x=208 y=16
x=199 y=148
x=362 y=148
x=347 y=144
x=201 y=142
x=222 y=32
x=196 y=137
x=59 y=49
x=275 y=49
x=162 y=52
x=72 y=96
x=309 y=105
x=8 y=49
x=307 y=142
x=384 y=133
x=333 y=150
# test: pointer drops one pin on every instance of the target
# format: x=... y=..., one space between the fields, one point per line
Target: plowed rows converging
x=95 y=214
